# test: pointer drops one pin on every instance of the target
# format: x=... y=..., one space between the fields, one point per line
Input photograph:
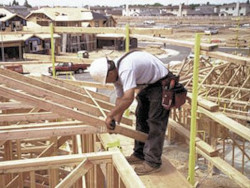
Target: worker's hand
x=108 y=123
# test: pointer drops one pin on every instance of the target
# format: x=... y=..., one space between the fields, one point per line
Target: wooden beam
x=227 y=169
x=14 y=105
x=189 y=44
x=48 y=94
x=90 y=84
x=75 y=174
x=15 y=166
x=72 y=87
x=50 y=149
x=67 y=112
x=40 y=88
x=128 y=175
x=47 y=132
x=211 y=106
x=186 y=133
x=230 y=124
x=42 y=125
x=95 y=30
x=228 y=57
x=31 y=117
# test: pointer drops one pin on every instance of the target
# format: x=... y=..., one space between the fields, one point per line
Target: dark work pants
x=151 y=118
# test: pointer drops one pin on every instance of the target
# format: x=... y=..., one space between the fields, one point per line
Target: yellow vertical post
x=127 y=38
x=52 y=49
x=191 y=168
x=127 y=112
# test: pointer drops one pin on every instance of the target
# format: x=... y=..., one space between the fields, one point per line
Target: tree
x=26 y=4
x=15 y=3
x=208 y=3
x=157 y=4
x=247 y=1
x=193 y=6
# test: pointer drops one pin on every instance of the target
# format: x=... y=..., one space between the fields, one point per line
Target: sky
x=80 y=3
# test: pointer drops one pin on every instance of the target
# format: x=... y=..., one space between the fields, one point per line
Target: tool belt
x=174 y=94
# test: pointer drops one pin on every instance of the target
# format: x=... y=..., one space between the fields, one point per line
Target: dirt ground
x=225 y=37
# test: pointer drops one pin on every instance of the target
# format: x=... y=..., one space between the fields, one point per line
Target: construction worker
x=144 y=71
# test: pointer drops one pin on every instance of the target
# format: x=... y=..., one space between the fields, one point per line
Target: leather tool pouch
x=173 y=93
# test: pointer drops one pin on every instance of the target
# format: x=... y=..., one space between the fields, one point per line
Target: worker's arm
x=118 y=117
x=122 y=104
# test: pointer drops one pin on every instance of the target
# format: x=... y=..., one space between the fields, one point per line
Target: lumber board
x=228 y=57
x=47 y=132
x=31 y=117
x=67 y=112
x=14 y=105
x=15 y=166
x=167 y=177
x=211 y=106
x=52 y=147
x=90 y=84
x=73 y=87
x=82 y=102
x=203 y=46
x=75 y=174
x=227 y=122
x=95 y=30
x=48 y=94
x=227 y=169
x=42 y=125
x=237 y=116
x=128 y=175
x=186 y=133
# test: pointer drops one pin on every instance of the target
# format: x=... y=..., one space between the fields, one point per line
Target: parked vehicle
x=16 y=68
x=63 y=67
x=211 y=31
x=83 y=54
x=149 y=22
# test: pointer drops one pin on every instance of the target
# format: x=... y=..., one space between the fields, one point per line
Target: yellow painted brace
x=113 y=145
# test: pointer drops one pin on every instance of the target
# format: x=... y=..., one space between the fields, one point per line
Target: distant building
x=141 y=11
x=20 y=10
x=204 y=10
x=115 y=41
x=72 y=17
x=235 y=9
x=10 y=22
x=115 y=11
x=176 y=10
x=14 y=44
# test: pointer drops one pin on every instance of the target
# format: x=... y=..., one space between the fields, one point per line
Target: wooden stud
x=75 y=174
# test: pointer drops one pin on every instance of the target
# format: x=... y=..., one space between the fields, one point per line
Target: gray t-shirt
x=138 y=68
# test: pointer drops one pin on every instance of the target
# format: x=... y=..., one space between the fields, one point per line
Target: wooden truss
x=223 y=105
x=226 y=83
x=59 y=130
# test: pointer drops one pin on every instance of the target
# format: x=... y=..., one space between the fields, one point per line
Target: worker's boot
x=145 y=169
x=132 y=159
